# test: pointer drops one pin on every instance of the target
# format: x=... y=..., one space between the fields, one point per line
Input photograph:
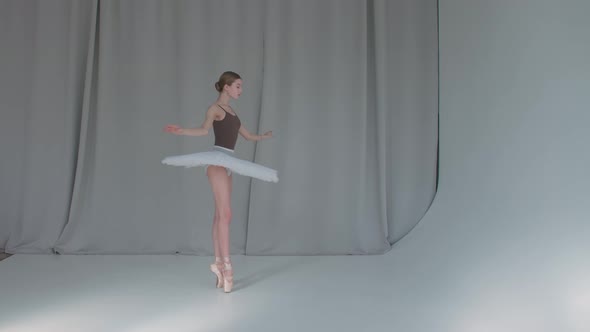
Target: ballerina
x=220 y=163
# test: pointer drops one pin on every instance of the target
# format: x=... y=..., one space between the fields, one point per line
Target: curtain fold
x=406 y=41
x=315 y=98
x=157 y=63
x=44 y=59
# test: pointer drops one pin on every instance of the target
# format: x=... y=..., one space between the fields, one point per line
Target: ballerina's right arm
x=203 y=130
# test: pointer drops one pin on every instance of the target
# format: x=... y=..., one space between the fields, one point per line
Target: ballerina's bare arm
x=251 y=137
x=203 y=130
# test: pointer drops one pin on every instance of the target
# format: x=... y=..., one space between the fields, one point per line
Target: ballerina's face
x=235 y=89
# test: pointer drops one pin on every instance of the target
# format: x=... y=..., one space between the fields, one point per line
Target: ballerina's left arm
x=251 y=137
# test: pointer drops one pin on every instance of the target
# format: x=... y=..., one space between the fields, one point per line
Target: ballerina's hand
x=268 y=134
x=174 y=129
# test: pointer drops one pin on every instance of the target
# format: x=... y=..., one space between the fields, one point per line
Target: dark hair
x=228 y=78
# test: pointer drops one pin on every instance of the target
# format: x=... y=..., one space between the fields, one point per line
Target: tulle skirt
x=220 y=156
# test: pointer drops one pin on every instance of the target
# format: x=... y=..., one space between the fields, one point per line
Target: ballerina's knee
x=224 y=216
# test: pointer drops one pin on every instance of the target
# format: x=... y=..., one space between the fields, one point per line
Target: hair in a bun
x=227 y=78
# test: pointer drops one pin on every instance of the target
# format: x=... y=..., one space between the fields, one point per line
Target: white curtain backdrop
x=349 y=89
x=43 y=65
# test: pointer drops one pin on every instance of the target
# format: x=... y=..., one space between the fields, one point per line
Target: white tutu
x=220 y=156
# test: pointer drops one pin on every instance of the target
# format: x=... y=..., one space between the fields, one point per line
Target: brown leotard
x=226 y=130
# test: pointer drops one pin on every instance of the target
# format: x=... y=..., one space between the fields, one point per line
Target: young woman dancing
x=220 y=163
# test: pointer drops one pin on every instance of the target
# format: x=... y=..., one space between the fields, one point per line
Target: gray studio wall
x=504 y=247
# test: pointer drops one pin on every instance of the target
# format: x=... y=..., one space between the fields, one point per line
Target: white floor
x=428 y=282
x=176 y=293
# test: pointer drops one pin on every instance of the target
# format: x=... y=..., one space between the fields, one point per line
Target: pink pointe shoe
x=215 y=269
x=228 y=278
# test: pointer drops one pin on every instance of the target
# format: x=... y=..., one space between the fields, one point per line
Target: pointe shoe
x=228 y=280
x=215 y=269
